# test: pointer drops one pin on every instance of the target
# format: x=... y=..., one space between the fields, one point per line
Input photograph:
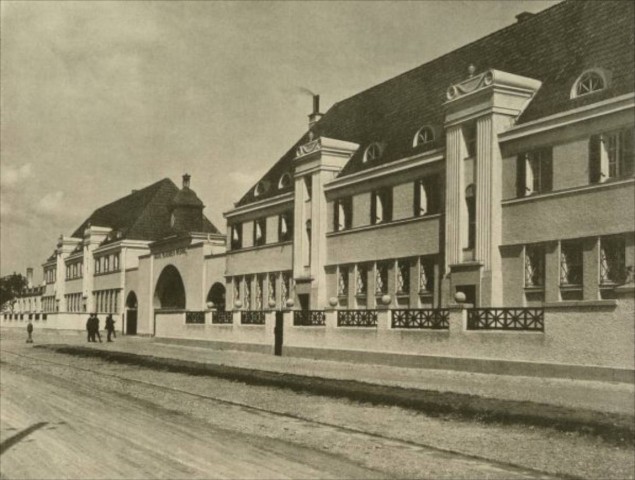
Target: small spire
x=186 y=180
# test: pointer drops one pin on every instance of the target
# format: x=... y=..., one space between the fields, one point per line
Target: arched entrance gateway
x=216 y=297
x=131 y=314
x=169 y=292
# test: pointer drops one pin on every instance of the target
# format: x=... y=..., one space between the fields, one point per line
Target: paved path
x=599 y=396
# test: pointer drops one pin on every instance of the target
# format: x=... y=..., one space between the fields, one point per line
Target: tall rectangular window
x=361 y=280
x=403 y=277
x=611 y=155
x=236 y=236
x=97 y=265
x=535 y=172
x=426 y=275
x=342 y=214
x=381 y=206
x=427 y=193
x=612 y=260
x=534 y=266
x=469 y=137
x=571 y=263
x=342 y=281
x=260 y=232
x=285 y=226
x=381 y=278
x=115 y=261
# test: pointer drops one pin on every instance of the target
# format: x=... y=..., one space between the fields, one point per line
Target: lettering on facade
x=171 y=253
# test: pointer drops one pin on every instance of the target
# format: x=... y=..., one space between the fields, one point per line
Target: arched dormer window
x=261 y=188
x=590 y=81
x=285 y=181
x=373 y=152
x=424 y=136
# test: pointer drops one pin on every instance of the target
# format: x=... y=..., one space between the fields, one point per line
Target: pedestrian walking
x=29 y=331
x=96 y=328
x=89 y=328
x=110 y=327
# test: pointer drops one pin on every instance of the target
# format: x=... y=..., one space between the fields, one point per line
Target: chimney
x=521 y=17
x=316 y=115
x=29 y=277
x=186 y=180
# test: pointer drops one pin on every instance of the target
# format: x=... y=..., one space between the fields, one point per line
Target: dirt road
x=64 y=417
x=77 y=432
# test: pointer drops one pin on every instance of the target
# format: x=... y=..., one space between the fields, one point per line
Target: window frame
x=534 y=172
x=590 y=75
x=342 y=205
x=373 y=153
x=421 y=140
x=260 y=223
x=384 y=198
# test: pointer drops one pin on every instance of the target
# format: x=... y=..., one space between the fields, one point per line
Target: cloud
x=51 y=204
x=11 y=175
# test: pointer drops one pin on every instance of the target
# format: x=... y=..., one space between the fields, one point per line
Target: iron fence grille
x=309 y=318
x=527 y=319
x=223 y=317
x=428 y=318
x=357 y=318
x=252 y=317
x=195 y=317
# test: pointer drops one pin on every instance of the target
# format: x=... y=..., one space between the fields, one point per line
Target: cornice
x=265 y=203
x=575 y=115
x=404 y=164
x=569 y=191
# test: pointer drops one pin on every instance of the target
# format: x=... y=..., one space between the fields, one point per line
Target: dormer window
x=260 y=189
x=424 y=136
x=285 y=181
x=589 y=82
x=373 y=153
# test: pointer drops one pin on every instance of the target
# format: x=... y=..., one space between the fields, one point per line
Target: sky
x=98 y=98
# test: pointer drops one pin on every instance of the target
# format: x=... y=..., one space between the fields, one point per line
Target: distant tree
x=10 y=287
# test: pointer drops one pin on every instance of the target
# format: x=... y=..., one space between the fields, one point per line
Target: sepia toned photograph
x=317 y=239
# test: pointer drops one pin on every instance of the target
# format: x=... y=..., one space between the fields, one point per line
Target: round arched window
x=285 y=181
x=260 y=189
x=589 y=82
x=373 y=152
x=424 y=135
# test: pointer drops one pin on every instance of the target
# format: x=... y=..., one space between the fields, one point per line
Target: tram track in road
x=384 y=439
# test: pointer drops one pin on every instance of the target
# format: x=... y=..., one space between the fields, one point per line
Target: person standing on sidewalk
x=110 y=327
x=29 y=331
x=96 y=327
x=89 y=328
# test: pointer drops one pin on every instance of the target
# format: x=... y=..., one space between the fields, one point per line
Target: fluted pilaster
x=453 y=195
x=485 y=140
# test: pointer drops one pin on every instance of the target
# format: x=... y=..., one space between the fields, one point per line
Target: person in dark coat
x=89 y=328
x=96 y=328
x=29 y=331
x=110 y=327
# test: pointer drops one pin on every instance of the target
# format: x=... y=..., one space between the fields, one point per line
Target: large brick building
x=500 y=174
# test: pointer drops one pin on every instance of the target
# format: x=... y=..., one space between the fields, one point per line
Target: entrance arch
x=131 y=314
x=216 y=297
x=169 y=292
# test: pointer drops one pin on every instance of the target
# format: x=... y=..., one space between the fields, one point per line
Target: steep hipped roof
x=142 y=215
x=554 y=46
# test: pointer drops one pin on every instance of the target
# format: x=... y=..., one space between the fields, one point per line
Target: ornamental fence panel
x=222 y=317
x=422 y=318
x=517 y=319
x=309 y=318
x=195 y=317
x=357 y=318
x=252 y=317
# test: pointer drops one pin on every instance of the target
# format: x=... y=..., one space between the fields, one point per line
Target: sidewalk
x=605 y=397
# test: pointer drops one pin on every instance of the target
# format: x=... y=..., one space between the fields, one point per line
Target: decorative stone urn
x=333 y=302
